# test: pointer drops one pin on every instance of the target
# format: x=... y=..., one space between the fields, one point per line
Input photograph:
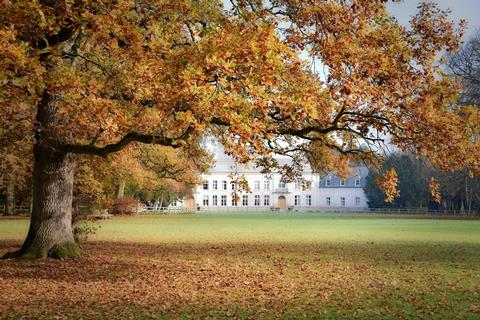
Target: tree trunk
x=10 y=200
x=50 y=233
x=121 y=189
x=469 y=194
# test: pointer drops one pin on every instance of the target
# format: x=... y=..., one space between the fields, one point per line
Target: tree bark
x=10 y=199
x=121 y=189
x=50 y=233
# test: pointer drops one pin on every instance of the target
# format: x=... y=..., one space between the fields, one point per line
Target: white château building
x=327 y=192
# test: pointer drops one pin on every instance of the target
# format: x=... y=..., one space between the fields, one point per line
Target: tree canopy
x=113 y=72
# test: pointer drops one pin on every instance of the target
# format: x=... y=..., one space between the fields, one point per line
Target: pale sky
x=468 y=10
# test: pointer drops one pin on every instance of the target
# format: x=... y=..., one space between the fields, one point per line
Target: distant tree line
x=459 y=191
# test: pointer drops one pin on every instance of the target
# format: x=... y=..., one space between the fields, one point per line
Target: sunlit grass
x=286 y=227
x=273 y=228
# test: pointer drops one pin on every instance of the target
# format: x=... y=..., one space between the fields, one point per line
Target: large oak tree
x=90 y=77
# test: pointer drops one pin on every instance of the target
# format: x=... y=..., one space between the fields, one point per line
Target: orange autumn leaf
x=388 y=182
x=434 y=187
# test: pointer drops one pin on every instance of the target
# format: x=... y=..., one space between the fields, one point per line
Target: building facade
x=325 y=192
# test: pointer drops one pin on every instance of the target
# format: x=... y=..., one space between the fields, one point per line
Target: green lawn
x=274 y=228
x=254 y=266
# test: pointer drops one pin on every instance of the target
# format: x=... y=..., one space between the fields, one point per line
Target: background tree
x=458 y=190
x=412 y=183
x=16 y=158
x=466 y=65
x=461 y=187
x=148 y=172
x=157 y=174
x=95 y=76
x=413 y=176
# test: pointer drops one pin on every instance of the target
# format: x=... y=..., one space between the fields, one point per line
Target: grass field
x=255 y=266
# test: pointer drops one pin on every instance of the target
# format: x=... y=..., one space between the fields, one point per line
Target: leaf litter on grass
x=363 y=281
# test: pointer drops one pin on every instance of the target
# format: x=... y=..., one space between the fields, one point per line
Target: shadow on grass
x=115 y=260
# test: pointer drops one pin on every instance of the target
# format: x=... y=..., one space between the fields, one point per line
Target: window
x=357 y=201
x=205 y=200
x=215 y=185
x=256 y=185
x=266 y=184
x=308 y=200
x=266 y=200
x=297 y=200
x=282 y=184
x=342 y=201
x=244 y=200
x=342 y=183
x=224 y=184
x=205 y=185
x=329 y=202
x=234 y=186
x=328 y=181
x=234 y=201
x=357 y=182
x=224 y=201
x=298 y=185
x=215 y=200
x=257 y=200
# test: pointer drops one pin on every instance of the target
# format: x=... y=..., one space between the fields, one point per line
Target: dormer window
x=328 y=181
x=357 y=182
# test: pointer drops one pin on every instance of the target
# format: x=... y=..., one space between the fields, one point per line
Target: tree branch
x=122 y=143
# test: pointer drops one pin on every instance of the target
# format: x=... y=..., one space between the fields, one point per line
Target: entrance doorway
x=282 y=202
x=190 y=203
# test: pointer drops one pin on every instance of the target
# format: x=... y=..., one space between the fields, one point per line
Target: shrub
x=124 y=206
x=82 y=224
x=83 y=229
